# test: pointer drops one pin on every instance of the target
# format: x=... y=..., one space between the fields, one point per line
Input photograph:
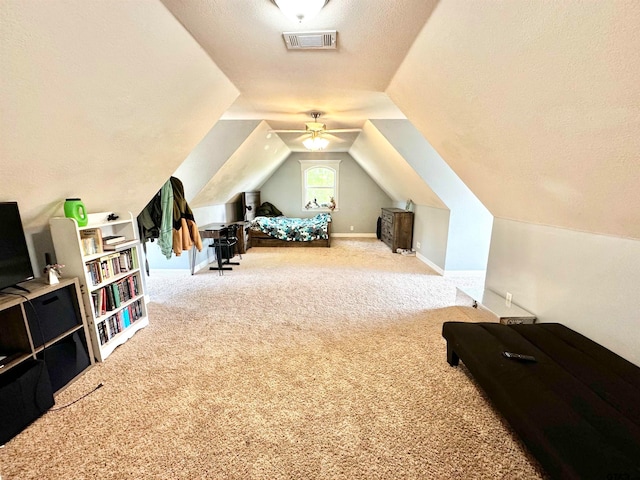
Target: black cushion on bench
x=577 y=408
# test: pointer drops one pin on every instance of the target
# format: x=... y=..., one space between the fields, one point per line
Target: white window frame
x=305 y=166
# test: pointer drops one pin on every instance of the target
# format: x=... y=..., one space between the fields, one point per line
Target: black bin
x=51 y=315
x=66 y=359
x=25 y=394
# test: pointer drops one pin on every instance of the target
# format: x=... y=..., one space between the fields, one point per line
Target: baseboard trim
x=166 y=270
x=430 y=264
x=465 y=273
x=353 y=235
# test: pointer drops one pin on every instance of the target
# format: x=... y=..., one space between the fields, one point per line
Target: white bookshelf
x=103 y=275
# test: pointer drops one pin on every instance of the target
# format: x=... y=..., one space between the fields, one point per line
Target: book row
x=110 y=327
x=115 y=294
x=106 y=267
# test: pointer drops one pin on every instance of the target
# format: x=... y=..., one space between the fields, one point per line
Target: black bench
x=576 y=407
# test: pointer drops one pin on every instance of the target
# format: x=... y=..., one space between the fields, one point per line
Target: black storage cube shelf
x=66 y=359
x=51 y=315
x=25 y=394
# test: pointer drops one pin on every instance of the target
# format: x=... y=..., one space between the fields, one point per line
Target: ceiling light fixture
x=300 y=10
x=315 y=142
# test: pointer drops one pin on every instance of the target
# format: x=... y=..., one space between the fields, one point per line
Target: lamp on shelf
x=315 y=142
x=300 y=10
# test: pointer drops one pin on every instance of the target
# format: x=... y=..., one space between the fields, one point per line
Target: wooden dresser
x=397 y=228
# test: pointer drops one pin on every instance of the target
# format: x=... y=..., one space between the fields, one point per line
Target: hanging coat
x=185 y=231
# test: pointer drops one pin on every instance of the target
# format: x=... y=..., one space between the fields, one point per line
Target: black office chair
x=225 y=247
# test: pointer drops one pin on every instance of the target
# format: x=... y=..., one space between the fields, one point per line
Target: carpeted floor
x=301 y=363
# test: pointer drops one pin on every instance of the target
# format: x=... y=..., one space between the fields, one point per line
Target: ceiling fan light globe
x=315 y=143
x=300 y=10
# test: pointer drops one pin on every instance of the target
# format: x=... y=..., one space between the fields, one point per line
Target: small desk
x=215 y=231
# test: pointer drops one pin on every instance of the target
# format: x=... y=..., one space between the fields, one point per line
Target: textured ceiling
x=244 y=39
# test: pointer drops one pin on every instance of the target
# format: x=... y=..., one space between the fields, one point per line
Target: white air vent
x=325 y=40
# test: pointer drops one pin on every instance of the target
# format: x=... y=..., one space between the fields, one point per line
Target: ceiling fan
x=316 y=133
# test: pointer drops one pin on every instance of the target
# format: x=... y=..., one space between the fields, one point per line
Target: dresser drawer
x=387 y=218
x=388 y=239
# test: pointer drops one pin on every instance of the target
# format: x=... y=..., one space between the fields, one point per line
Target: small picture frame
x=409 y=206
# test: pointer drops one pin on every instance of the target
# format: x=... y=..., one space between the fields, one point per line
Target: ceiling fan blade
x=338 y=138
x=315 y=128
x=343 y=130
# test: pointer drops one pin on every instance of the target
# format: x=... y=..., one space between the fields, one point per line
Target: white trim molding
x=430 y=264
x=354 y=235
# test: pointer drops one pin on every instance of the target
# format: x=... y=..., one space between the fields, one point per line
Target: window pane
x=320 y=177
x=320 y=180
x=320 y=195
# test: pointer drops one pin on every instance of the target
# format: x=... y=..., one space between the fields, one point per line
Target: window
x=320 y=184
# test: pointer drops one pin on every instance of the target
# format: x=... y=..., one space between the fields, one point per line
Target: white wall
x=99 y=100
x=589 y=282
x=431 y=229
x=469 y=223
x=535 y=107
x=360 y=197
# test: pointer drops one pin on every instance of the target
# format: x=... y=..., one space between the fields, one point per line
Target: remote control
x=519 y=356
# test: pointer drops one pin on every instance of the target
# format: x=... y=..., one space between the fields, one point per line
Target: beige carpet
x=301 y=363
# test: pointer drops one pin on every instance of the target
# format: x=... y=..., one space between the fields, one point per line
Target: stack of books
x=111 y=242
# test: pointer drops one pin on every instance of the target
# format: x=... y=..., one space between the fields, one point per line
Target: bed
x=284 y=231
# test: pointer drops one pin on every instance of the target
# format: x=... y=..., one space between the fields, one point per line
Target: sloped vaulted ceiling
x=251 y=164
x=390 y=170
x=535 y=105
x=99 y=100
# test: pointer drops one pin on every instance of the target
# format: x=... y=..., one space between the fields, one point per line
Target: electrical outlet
x=351 y=227
x=508 y=297
x=418 y=245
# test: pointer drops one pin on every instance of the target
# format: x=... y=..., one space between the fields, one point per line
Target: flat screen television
x=15 y=263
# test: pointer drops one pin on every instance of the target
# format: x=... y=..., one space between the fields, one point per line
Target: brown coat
x=186 y=237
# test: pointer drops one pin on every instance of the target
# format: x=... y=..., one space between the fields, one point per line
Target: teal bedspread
x=295 y=229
